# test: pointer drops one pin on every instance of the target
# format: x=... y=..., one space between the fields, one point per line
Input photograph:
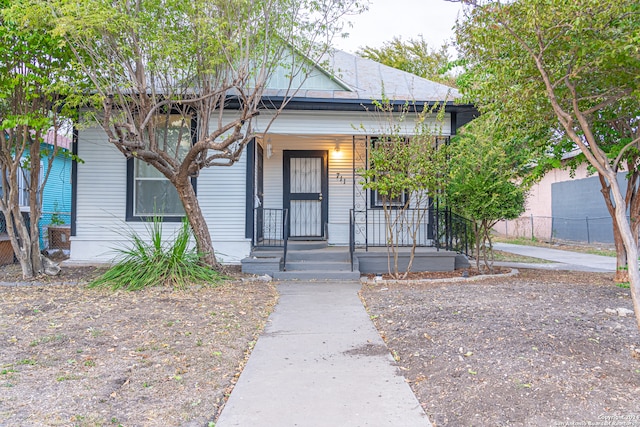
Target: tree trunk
x=489 y=260
x=391 y=242
x=35 y=206
x=414 y=226
x=630 y=245
x=198 y=224
x=21 y=242
x=622 y=275
x=25 y=239
x=26 y=251
x=476 y=232
x=633 y=202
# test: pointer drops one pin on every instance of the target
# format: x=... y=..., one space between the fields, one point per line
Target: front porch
x=309 y=217
x=334 y=262
x=442 y=245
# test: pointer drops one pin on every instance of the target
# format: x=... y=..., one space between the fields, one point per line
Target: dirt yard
x=539 y=349
x=72 y=356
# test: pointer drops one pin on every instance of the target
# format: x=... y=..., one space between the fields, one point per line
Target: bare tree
x=181 y=83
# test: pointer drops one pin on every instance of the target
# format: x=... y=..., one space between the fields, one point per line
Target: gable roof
x=360 y=79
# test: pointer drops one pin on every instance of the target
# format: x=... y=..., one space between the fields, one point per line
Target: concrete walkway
x=561 y=260
x=320 y=362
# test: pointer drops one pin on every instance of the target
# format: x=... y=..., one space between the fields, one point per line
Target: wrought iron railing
x=285 y=237
x=352 y=236
x=439 y=228
x=402 y=227
x=271 y=229
x=452 y=232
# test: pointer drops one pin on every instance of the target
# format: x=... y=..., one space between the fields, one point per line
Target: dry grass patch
x=73 y=356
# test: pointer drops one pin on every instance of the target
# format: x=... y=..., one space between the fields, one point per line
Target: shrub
x=158 y=263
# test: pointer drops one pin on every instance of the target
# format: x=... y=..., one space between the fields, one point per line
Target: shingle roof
x=365 y=79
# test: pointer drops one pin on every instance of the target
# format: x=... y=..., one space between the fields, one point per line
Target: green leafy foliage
x=488 y=180
x=56 y=218
x=585 y=49
x=153 y=58
x=156 y=263
x=402 y=164
x=37 y=83
x=484 y=175
x=571 y=68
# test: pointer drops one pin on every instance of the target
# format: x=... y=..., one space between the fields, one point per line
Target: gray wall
x=579 y=211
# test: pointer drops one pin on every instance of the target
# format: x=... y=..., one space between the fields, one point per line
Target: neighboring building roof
x=571 y=154
x=62 y=141
x=365 y=80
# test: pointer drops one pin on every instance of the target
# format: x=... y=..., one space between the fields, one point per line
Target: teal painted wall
x=57 y=192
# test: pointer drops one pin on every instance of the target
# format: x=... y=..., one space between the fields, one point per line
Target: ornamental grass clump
x=158 y=263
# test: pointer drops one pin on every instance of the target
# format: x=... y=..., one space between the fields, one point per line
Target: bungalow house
x=295 y=184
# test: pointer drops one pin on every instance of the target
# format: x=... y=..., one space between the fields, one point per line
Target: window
x=377 y=199
x=393 y=154
x=149 y=192
x=24 y=180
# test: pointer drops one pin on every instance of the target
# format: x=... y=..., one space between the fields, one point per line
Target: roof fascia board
x=350 y=104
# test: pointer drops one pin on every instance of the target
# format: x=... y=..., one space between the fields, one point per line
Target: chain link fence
x=549 y=229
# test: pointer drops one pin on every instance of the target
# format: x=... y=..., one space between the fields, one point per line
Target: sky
x=434 y=19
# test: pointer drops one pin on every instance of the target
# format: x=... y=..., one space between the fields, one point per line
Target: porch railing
x=439 y=228
x=285 y=237
x=372 y=228
x=452 y=232
x=352 y=236
x=271 y=229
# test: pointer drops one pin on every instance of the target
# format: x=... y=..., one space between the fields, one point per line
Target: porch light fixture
x=336 y=149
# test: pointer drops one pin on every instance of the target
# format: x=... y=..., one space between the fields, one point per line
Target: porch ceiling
x=339 y=123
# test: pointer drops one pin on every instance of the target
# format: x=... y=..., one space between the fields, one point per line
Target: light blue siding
x=56 y=197
x=57 y=190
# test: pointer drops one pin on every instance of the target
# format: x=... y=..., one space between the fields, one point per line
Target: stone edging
x=513 y=272
x=36 y=283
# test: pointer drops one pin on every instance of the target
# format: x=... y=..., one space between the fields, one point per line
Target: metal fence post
x=532 y=235
x=588 y=236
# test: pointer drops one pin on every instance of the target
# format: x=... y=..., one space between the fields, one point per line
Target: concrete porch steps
x=306 y=260
x=311 y=263
x=306 y=245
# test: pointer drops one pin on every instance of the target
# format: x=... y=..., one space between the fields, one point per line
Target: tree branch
x=622 y=151
x=161 y=104
x=609 y=101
